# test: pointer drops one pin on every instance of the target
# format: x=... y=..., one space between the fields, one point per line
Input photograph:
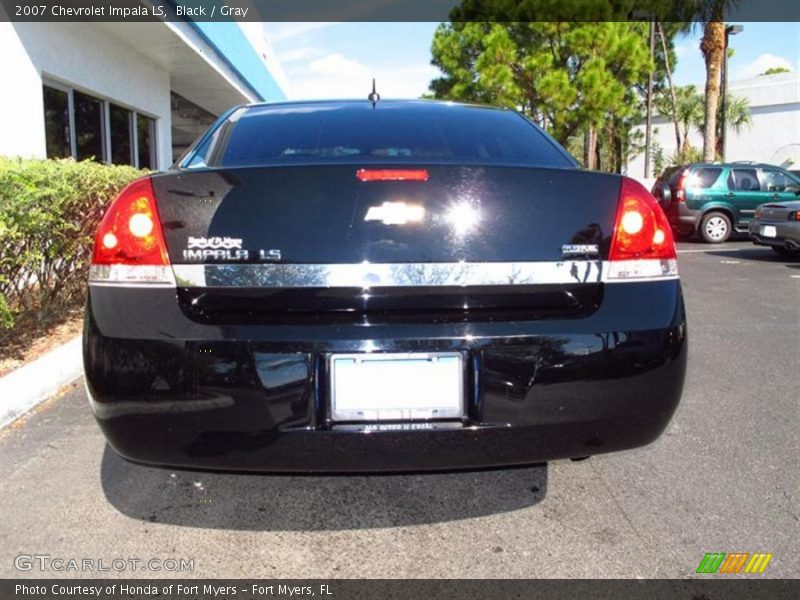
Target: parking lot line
x=707 y=250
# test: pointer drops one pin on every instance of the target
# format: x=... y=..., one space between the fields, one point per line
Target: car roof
x=410 y=104
x=738 y=163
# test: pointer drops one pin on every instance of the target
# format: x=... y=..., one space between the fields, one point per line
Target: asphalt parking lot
x=724 y=477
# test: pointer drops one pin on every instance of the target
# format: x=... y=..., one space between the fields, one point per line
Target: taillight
x=392 y=175
x=129 y=245
x=794 y=216
x=642 y=244
x=680 y=187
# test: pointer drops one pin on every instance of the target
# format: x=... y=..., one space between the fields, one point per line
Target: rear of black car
x=777 y=225
x=401 y=286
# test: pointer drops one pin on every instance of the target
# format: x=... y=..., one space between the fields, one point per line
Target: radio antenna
x=374 y=95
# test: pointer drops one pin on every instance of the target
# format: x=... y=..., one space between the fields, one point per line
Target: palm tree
x=737 y=116
x=689 y=112
x=737 y=112
x=712 y=14
x=713 y=48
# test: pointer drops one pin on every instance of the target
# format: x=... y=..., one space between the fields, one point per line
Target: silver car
x=777 y=225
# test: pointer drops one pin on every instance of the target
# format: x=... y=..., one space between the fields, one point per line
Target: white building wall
x=773 y=136
x=21 y=103
x=81 y=56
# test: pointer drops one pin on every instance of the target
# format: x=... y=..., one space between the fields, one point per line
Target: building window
x=86 y=127
x=145 y=134
x=121 y=120
x=56 y=122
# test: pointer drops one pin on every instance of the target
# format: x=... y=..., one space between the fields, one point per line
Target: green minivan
x=716 y=199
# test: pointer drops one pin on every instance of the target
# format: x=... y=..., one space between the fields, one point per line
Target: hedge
x=49 y=210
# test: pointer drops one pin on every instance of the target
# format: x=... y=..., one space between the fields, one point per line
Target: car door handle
x=731 y=195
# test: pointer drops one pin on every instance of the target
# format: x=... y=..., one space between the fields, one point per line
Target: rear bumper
x=169 y=391
x=785 y=232
x=683 y=219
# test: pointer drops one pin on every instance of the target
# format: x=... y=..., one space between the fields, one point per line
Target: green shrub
x=688 y=154
x=49 y=210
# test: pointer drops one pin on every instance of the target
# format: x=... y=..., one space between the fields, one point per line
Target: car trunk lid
x=258 y=243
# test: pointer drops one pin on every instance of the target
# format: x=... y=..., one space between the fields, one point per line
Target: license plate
x=768 y=231
x=397 y=387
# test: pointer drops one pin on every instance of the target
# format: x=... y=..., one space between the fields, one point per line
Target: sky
x=759 y=47
x=339 y=60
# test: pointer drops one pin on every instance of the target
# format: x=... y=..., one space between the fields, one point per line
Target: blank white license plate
x=768 y=231
x=401 y=387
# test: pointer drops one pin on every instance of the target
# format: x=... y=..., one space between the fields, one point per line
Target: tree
x=712 y=14
x=737 y=116
x=668 y=69
x=775 y=71
x=572 y=77
x=737 y=113
x=659 y=160
x=688 y=112
x=712 y=46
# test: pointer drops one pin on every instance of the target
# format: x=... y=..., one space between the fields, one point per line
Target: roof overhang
x=196 y=70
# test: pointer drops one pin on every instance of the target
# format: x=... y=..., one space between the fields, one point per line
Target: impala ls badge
x=396 y=213
x=580 y=250
x=274 y=254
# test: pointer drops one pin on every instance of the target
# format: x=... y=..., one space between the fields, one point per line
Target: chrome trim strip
x=367 y=275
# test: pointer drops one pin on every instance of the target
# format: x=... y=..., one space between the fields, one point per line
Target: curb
x=27 y=386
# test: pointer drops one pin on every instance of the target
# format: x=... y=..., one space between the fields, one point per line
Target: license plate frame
x=769 y=231
x=396 y=386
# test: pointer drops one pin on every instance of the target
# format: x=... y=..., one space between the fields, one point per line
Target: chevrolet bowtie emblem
x=396 y=213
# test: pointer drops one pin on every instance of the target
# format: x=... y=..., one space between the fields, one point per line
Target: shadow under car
x=268 y=502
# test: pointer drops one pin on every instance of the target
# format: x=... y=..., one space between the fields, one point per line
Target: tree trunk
x=589 y=148
x=671 y=88
x=598 y=161
x=587 y=155
x=712 y=46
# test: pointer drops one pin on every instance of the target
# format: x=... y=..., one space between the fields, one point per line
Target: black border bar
x=395 y=10
x=713 y=588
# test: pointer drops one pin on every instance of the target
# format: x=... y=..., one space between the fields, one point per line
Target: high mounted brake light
x=129 y=245
x=365 y=175
x=642 y=244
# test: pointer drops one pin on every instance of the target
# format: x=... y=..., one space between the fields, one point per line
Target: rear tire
x=715 y=228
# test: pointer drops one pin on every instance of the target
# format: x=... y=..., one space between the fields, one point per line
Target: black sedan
x=777 y=225
x=381 y=286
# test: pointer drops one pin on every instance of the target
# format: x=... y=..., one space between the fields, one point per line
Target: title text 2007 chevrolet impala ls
x=381 y=286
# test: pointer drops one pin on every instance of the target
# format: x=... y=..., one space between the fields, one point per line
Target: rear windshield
x=357 y=132
x=703 y=177
x=670 y=172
